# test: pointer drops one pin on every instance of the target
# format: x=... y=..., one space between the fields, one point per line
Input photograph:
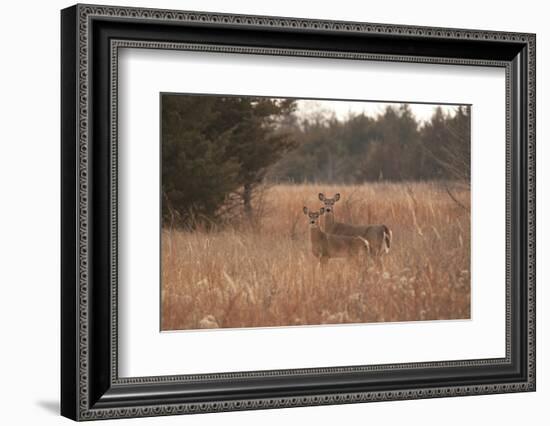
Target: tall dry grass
x=265 y=275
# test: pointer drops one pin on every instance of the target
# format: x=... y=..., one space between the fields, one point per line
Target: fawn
x=378 y=236
x=325 y=246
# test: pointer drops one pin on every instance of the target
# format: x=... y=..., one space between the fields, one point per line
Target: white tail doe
x=378 y=236
x=325 y=246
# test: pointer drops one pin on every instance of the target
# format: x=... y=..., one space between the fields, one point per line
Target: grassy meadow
x=264 y=274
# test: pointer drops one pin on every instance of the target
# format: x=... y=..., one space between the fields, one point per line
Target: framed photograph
x=263 y=212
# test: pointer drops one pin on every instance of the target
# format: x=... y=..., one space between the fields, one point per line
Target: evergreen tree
x=216 y=146
x=257 y=141
x=197 y=173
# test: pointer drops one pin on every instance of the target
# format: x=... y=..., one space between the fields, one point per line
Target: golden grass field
x=265 y=275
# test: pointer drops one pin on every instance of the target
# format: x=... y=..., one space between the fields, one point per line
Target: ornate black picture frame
x=90 y=385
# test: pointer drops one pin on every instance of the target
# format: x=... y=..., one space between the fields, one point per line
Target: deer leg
x=363 y=264
x=378 y=260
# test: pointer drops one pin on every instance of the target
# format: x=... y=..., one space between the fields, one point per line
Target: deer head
x=329 y=202
x=313 y=217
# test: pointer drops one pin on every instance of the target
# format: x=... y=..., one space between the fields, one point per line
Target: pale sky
x=341 y=109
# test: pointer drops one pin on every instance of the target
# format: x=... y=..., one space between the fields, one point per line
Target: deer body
x=378 y=236
x=326 y=246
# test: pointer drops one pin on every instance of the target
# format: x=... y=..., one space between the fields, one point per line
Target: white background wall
x=29 y=213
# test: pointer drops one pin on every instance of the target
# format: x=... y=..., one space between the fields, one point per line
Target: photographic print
x=292 y=212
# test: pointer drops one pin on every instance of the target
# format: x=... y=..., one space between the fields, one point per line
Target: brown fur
x=325 y=246
x=378 y=236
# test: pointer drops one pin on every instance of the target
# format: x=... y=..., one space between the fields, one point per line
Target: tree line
x=392 y=146
x=217 y=151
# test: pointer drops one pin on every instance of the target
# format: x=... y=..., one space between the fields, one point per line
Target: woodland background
x=218 y=151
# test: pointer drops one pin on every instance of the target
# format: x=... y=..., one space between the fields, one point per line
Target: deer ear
x=322 y=210
x=337 y=197
x=305 y=210
x=321 y=196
